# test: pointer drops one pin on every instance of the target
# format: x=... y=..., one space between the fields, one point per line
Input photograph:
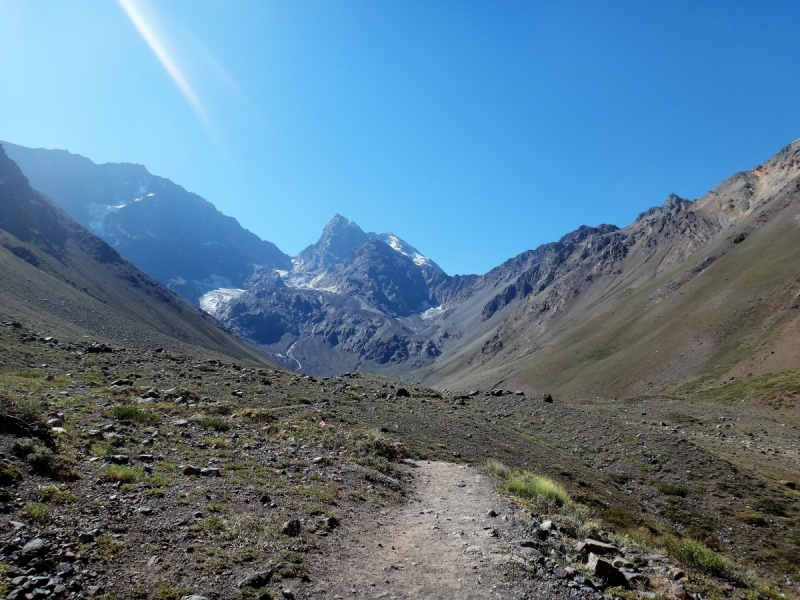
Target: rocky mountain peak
x=339 y=238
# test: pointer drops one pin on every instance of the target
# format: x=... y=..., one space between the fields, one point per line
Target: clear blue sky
x=474 y=130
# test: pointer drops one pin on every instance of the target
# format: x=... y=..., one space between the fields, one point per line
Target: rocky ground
x=149 y=473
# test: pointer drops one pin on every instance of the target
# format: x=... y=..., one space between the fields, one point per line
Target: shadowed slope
x=56 y=273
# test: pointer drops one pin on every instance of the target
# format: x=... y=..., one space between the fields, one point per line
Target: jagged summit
x=339 y=238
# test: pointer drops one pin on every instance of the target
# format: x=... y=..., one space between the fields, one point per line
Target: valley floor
x=169 y=474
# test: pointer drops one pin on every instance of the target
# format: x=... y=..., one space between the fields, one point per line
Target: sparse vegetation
x=752 y=518
x=109 y=547
x=699 y=556
x=530 y=485
x=37 y=511
x=122 y=473
x=42 y=459
x=215 y=423
x=494 y=468
x=9 y=474
x=136 y=415
x=672 y=489
x=55 y=495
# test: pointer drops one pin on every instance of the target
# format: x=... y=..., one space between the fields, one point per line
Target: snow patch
x=404 y=248
x=213 y=301
x=432 y=313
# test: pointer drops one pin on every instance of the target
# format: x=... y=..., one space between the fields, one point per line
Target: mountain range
x=690 y=296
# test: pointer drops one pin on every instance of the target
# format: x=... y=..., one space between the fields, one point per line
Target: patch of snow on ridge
x=404 y=248
x=212 y=301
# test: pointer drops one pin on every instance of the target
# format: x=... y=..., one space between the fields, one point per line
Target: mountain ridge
x=364 y=301
x=56 y=273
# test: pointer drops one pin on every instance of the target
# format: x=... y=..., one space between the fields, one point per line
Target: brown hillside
x=700 y=289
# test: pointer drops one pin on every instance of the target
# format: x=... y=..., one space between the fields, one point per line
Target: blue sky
x=474 y=130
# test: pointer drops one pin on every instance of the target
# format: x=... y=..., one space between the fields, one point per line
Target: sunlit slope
x=728 y=310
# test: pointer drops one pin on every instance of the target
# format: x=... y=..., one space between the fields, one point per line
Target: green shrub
x=109 y=547
x=772 y=506
x=131 y=413
x=699 y=556
x=620 y=478
x=55 y=495
x=494 y=468
x=9 y=474
x=28 y=374
x=530 y=485
x=122 y=473
x=618 y=516
x=672 y=489
x=212 y=524
x=214 y=423
x=24 y=417
x=36 y=511
x=41 y=458
x=752 y=518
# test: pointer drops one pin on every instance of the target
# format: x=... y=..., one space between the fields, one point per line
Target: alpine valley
x=711 y=283
x=187 y=413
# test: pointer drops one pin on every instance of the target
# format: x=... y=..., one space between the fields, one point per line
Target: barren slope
x=697 y=292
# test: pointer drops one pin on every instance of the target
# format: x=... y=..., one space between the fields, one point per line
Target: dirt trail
x=441 y=544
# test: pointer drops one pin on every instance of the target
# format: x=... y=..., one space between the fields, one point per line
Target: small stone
x=86 y=537
x=34 y=548
x=119 y=459
x=194 y=597
x=180 y=423
x=191 y=470
x=604 y=570
x=209 y=472
x=146 y=457
x=55 y=422
x=597 y=547
x=491 y=514
x=288 y=594
x=546 y=526
x=256 y=580
x=679 y=591
x=292 y=528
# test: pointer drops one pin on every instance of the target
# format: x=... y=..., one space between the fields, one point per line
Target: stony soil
x=333 y=453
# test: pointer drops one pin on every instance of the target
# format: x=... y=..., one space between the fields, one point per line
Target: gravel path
x=441 y=544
